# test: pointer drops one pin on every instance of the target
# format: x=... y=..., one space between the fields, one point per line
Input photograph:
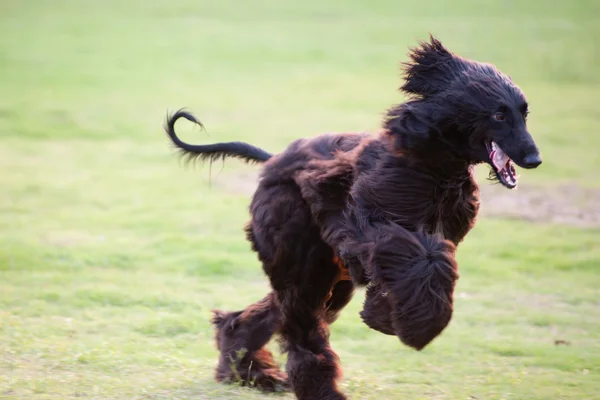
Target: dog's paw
x=377 y=310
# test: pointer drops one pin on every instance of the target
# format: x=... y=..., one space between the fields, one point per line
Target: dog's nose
x=532 y=160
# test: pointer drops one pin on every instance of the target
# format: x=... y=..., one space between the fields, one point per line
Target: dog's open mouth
x=502 y=165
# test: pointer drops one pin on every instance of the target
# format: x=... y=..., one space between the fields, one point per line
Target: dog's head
x=474 y=109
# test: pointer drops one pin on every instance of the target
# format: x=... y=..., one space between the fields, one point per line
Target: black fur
x=212 y=152
x=387 y=210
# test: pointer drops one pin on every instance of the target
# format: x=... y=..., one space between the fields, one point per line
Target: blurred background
x=112 y=253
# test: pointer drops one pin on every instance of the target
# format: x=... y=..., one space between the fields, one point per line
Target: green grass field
x=112 y=254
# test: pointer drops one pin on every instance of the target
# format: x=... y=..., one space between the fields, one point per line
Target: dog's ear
x=431 y=69
x=218 y=317
x=411 y=123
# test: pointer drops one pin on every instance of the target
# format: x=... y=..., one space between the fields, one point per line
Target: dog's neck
x=428 y=134
x=431 y=153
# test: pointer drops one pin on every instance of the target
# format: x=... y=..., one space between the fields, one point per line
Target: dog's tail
x=212 y=152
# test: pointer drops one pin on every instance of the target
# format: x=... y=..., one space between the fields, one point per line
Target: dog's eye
x=499 y=116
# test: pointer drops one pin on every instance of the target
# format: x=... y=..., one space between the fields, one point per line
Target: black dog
x=386 y=211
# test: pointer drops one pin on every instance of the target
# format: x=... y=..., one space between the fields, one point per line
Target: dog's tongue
x=499 y=159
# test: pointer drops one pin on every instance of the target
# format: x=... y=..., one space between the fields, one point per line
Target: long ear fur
x=412 y=123
x=431 y=69
x=218 y=317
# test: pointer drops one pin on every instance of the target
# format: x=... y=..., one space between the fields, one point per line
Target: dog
x=383 y=210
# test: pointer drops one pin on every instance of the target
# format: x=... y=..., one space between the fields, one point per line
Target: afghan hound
x=385 y=210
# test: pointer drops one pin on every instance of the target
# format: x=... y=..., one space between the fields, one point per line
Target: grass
x=112 y=254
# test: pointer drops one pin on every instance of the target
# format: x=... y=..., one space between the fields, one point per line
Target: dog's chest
x=417 y=199
x=454 y=210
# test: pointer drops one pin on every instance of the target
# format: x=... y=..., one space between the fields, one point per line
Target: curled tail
x=212 y=152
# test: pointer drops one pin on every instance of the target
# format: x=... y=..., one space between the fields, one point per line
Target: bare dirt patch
x=71 y=238
x=566 y=204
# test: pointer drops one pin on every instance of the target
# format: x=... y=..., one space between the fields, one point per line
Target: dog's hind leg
x=241 y=338
x=313 y=366
x=302 y=272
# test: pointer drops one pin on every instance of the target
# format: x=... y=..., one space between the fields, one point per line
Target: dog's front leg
x=411 y=276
